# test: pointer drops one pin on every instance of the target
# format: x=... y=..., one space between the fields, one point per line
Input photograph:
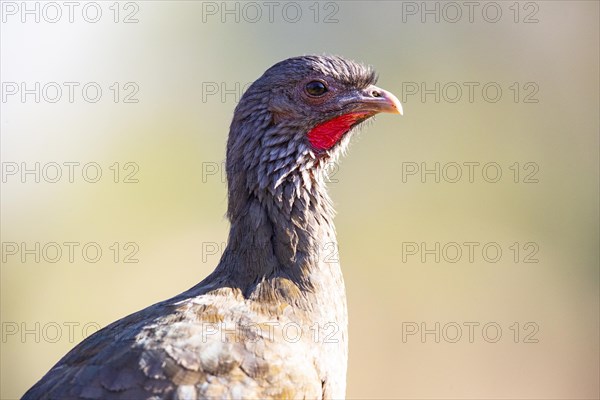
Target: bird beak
x=376 y=100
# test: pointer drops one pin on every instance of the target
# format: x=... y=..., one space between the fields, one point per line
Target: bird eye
x=316 y=88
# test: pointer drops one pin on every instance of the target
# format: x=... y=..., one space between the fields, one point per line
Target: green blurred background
x=178 y=52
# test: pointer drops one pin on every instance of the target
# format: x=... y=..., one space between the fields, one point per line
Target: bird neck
x=282 y=233
x=282 y=241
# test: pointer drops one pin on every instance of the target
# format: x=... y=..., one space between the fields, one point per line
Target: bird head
x=297 y=116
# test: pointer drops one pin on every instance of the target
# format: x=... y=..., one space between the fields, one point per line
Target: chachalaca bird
x=271 y=320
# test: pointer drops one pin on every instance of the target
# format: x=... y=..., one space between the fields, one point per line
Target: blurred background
x=468 y=228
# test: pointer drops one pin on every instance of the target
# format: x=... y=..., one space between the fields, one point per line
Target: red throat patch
x=327 y=134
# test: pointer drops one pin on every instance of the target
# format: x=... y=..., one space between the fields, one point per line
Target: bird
x=271 y=320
